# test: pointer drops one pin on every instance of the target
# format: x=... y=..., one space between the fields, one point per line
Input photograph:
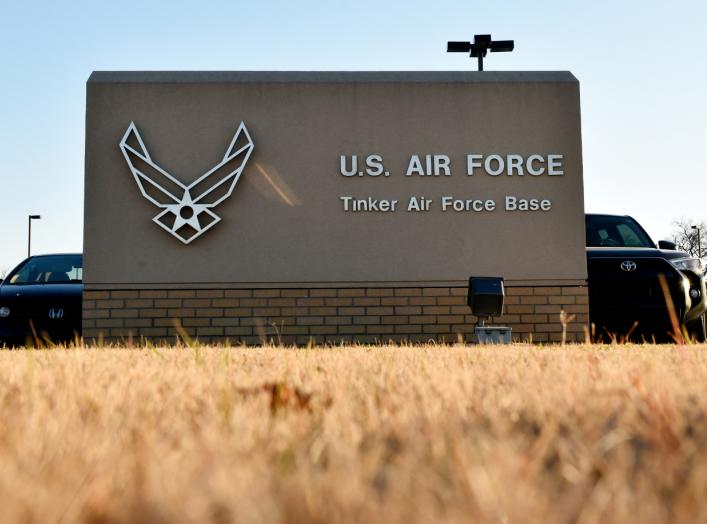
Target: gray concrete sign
x=332 y=179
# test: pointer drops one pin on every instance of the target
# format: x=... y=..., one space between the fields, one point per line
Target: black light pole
x=29 y=232
x=699 y=241
x=482 y=45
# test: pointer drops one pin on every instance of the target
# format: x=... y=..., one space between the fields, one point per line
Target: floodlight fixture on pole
x=482 y=44
x=699 y=241
x=29 y=232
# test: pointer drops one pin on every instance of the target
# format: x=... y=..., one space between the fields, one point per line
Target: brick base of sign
x=321 y=315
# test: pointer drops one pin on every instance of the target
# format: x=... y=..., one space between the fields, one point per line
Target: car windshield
x=52 y=269
x=614 y=231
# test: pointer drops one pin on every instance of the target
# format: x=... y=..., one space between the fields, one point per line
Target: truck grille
x=612 y=288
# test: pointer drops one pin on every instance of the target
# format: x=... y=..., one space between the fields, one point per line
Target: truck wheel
x=698 y=329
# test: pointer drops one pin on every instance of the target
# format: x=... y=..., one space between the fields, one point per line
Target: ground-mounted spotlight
x=485 y=298
x=482 y=44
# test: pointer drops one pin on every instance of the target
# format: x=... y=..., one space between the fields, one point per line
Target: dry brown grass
x=356 y=434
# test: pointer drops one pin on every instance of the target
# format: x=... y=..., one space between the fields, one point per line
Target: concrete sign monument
x=363 y=187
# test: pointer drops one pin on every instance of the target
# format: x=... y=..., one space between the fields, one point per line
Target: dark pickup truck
x=635 y=285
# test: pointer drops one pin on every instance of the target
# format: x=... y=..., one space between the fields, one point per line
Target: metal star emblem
x=186 y=210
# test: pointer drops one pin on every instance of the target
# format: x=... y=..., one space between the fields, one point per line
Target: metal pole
x=699 y=241
x=29 y=233
x=481 y=62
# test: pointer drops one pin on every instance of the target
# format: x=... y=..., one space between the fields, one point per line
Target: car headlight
x=690 y=264
x=4 y=312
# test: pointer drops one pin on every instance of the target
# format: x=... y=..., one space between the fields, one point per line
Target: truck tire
x=698 y=329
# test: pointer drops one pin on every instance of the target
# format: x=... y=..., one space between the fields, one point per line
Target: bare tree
x=3 y=272
x=686 y=236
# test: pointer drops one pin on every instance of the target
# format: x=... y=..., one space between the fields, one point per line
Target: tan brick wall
x=296 y=316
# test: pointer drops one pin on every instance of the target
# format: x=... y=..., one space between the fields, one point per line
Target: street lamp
x=29 y=232
x=699 y=241
x=482 y=45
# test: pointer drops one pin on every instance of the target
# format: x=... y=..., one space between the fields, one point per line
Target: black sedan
x=638 y=289
x=40 y=301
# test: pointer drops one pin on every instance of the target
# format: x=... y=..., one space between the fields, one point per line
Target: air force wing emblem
x=186 y=210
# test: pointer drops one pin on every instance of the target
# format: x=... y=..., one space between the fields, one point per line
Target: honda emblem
x=56 y=313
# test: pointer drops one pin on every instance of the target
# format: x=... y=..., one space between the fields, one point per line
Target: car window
x=54 y=269
x=615 y=231
x=629 y=236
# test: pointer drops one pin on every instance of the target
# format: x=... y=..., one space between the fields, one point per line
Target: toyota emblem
x=628 y=265
x=56 y=312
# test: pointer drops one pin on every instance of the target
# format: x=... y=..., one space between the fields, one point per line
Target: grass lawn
x=354 y=434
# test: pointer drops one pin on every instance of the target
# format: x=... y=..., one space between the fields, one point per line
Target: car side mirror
x=667 y=244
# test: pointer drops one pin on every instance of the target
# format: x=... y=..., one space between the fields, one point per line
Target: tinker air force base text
x=494 y=165
x=445 y=203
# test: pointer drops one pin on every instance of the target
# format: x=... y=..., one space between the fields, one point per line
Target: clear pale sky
x=641 y=66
